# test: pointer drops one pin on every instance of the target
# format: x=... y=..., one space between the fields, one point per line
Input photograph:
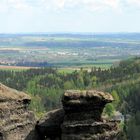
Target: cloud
x=112 y=3
x=10 y=5
x=95 y=5
x=3 y=7
x=91 y=5
x=59 y=3
x=53 y=4
x=18 y=4
x=133 y=2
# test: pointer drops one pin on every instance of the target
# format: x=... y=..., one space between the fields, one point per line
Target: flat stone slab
x=77 y=97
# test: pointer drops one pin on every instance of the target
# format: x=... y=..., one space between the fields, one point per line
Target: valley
x=45 y=66
x=67 y=50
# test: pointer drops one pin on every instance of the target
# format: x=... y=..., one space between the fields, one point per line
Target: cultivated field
x=67 y=50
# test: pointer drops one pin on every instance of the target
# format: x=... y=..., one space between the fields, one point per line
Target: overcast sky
x=69 y=16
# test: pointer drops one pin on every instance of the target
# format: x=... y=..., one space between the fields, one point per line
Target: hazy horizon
x=69 y=33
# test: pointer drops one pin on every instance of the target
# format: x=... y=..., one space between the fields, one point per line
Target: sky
x=33 y=16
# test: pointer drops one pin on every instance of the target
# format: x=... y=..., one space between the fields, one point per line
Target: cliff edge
x=16 y=121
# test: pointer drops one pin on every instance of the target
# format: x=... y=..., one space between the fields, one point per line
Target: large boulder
x=83 y=116
x=83 y=105
x=16 y=121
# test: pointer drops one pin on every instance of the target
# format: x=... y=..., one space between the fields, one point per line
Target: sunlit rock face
x=79 y=119
x=83 y=116
x=85 y=105
x=16 y=121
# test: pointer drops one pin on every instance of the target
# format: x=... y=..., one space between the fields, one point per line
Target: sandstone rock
x=83 y=121
x=83 y=105
x=50 y=125
x=16 y=121
x=79 y=119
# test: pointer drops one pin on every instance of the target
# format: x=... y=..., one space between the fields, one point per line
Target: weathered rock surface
x=83 y=110
x=50 y=125
x=80 y=118
x=84 y=105
x=16 y=121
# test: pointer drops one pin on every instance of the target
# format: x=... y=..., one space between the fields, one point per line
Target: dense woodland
x=46 y=85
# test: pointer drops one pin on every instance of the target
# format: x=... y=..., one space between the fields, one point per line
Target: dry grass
x=2 y=67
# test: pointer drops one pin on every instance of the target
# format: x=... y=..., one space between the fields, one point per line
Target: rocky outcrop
x=80 y=118
x=83 y=110
x=85 y=105
x=16 y=121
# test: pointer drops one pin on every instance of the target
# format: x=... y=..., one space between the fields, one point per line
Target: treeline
x=46 y=85
x=49 y=84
